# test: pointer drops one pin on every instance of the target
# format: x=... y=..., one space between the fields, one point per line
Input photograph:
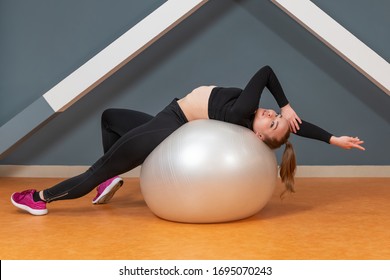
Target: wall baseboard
x=62 y=171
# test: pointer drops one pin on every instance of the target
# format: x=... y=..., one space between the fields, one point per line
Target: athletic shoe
x=107 y=189
x=24 y=200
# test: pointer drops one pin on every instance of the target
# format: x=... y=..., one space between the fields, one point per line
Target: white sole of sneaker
x=109 y=192
x=28 y=209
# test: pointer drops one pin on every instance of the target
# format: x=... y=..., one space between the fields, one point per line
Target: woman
x=130 y=136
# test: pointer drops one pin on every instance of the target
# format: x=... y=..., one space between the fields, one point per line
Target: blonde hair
x=288 y=165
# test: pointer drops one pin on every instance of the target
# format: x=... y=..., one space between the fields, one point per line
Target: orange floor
x=325 y=219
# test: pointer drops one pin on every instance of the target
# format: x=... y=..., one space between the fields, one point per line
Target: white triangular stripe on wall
x=340 y=40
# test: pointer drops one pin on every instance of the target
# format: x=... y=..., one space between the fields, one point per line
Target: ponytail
x=287 y=168
x=288 y=164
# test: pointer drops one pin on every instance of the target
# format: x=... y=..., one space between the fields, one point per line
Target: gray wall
x=224 y=43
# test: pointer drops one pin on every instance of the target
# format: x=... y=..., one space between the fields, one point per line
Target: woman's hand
x=347 y=142
x=289 y=114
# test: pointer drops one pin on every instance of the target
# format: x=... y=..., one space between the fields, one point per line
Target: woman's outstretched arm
x=312 y=131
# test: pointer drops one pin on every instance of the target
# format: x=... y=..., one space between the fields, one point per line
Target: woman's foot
x=107 y=189
x=24 y=200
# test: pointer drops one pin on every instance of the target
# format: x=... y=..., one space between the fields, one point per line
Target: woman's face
x=268 y=123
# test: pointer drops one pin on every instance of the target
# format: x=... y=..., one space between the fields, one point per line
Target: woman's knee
x=107 y=115
x=267 y=69
x=110 y=117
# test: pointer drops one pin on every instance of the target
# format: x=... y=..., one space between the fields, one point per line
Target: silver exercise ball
x=209 y=171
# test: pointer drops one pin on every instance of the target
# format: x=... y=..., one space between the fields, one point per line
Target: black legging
x=128 y=138
x=117 y=122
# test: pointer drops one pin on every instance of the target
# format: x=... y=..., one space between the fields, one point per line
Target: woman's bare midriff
x=195 y=104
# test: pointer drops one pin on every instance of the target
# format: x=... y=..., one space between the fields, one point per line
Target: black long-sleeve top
x=238 y=106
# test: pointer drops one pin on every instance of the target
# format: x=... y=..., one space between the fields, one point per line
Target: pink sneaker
x=24 y=200
x=107 y=189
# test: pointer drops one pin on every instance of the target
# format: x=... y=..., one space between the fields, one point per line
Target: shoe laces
x=27 y=192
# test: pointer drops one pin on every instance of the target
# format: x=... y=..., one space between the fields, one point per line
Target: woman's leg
x=127 y=153
x=117 y=122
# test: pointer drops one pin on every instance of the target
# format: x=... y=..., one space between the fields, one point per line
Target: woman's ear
x=260 y=136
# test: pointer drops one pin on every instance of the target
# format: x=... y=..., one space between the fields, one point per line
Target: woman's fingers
x=355 y=142
x=294 y=123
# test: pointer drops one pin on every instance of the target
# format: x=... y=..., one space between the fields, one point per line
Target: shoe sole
x=29 y=209
x=109 y=192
